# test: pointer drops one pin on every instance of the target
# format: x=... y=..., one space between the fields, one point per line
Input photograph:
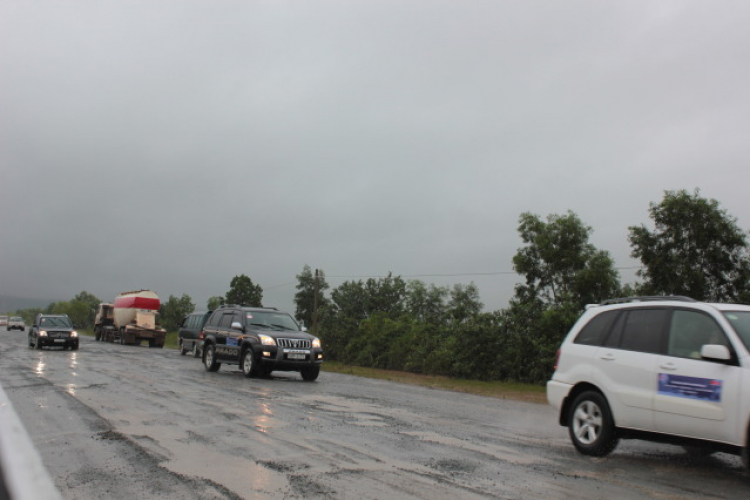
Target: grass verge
x=502 y=390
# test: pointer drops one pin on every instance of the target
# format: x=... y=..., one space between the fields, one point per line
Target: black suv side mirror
x=236 y=325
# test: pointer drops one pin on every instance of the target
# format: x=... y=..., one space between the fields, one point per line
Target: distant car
x=259 y=341
x=53 y=330
x=16 y=323
x=4 y=321
x=667 y=369
x=190 y=338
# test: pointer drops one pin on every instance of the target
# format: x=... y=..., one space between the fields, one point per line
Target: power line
x=438 y=275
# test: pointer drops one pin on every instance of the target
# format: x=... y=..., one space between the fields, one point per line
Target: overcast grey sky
x=172 y=145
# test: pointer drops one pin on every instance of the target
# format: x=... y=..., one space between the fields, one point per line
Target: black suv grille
x=294 y=343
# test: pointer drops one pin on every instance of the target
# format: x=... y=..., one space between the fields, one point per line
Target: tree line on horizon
x=695 y=249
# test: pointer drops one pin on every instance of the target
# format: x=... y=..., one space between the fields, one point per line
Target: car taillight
x=200 y=335
x=557 y=359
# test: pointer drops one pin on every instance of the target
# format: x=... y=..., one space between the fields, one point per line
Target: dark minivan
x=190 y=333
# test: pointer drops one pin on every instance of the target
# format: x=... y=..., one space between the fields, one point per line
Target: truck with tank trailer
x=132 y=318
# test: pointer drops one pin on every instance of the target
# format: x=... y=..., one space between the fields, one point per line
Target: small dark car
x=259 y=340
x=53 y=330
x=16 y=323
x=190 y=333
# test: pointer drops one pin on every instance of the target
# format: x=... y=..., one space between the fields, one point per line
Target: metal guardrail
x=22 y=474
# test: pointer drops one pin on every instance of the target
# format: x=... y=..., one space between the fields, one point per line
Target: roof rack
x=648 y=298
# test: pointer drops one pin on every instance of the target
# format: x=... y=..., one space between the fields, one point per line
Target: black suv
x=53 y=330
x=259 y=340
x=190 y=333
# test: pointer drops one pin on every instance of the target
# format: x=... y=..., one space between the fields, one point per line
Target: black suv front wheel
x=591 y=426
x=249 y=366
x=310 y=373
x=209 y=358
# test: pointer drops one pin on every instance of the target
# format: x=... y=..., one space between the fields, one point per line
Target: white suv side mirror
x=715 y=352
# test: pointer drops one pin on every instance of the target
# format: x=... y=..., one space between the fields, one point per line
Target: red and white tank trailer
x=130 y=320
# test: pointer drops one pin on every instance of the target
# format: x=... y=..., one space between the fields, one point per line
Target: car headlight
x=266 y=340
x=74 y=333
x=42 y=333
x=316 y=342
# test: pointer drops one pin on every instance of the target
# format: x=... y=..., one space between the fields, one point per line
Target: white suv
x=666 y=369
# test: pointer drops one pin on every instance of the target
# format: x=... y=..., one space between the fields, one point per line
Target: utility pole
x=315 y=305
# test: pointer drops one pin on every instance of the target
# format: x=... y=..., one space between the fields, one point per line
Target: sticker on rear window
x=706 y=389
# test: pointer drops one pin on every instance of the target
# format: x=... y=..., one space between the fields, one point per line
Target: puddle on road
x=352 y=412
x=243 y=477
x=193 y=456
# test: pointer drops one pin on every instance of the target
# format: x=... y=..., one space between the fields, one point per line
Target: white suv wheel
x=587 y=422
x=590 y=423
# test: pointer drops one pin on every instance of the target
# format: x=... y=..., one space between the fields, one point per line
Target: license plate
x=59 y=340
x=294 y=355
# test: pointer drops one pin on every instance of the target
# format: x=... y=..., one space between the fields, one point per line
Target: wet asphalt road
x=115 y=421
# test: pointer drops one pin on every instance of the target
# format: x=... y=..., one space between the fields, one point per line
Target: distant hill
x=10 y=304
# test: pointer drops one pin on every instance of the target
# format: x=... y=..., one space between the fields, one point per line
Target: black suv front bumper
x=57 y=341
x=289 y=359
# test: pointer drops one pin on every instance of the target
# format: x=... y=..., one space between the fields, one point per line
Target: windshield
x=263 y=320
x=55 y=321
x=741 y=323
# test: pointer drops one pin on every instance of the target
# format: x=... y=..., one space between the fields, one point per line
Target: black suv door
x=227 y=338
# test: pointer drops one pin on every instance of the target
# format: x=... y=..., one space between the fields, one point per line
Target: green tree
x=386 y=295
x=464 y=302
x=359 y=300
x=351 y=304
x=76 y=311
x=696 y=249
x=90 y=303
x=563 y=273
x=304 y=299
x=174 y=310
x=559 y=263
x=243 y=292
x=214 y=302
x=426 y=303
